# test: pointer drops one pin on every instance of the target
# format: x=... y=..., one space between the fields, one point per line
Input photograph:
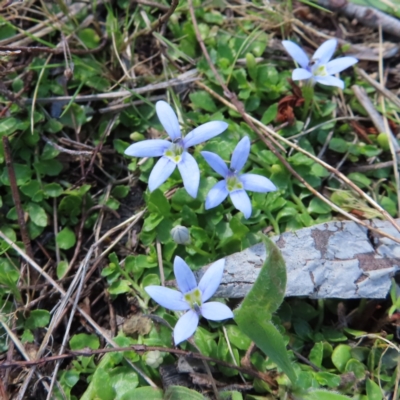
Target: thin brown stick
x=381 y=89
x=372 y=167
x=187 y=77
x=138 y=348
x=16 y=198
x=57 y=50
x=376 y=118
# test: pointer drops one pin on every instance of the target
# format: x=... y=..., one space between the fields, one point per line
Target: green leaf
x=100 y=386
x=119 y=287
x=237 y=338
x=120 y=146
x=317 y=206
x=37 y=319
x=31 y=188
x=158 y=204
x=62 y=268
x=52 y=189
x=37 y=214
x=89 y=37
x=182 y=393
x=8 y=126
x=374 y=392
x=359 y=179
x=340 y=356
x=82 y=340
x=254 y=315
x=270 y=114
x=323 y=395
x=27 y=336
x=52 y=126
x=356 y=367
x=123 y=380
x=317 y=353
x=152 y=222
x=23 y=174
x=147 y=393
x=66 y=239
x=339 y=145
x=202 y=99
x=120 y=191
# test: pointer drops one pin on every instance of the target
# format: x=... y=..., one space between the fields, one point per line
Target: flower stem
x=199 y=251
x=273 y=222
x=308 y=94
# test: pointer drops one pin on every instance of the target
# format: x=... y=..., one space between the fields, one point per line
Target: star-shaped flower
x=234 y=184
x=192 y=297
x=175 y=153
x=319 y=68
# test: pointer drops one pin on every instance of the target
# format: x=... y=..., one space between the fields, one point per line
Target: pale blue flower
x=192 y=298
x=175 y=153
x=234 y=184
x=319 y=68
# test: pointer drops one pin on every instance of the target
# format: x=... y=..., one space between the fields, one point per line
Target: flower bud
x=136 y=137
x=153 y=358
x=180 y=234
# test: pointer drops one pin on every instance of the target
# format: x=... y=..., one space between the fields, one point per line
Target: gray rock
x=339 y=259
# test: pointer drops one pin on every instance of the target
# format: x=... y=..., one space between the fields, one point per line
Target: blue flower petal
x=148 y=148
x=210 y=281
x=325 y=52
x=184 y=276
x=168 y=119
x=299 y=74
x=167 y=298
x=340 y=64
x=216 y=195
x=186 y=326
x=203 y=133
x=296 y=52
x=241 y=201
x=330 y=81
x=216 y=163
x=190 y=173
x=240 y=154
x=257 y=183
x=216 y=311
x=160 y=172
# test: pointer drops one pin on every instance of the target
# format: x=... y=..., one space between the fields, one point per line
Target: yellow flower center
x=233 y=183
x=320 y=71
x=174 y=152
x=193 y=298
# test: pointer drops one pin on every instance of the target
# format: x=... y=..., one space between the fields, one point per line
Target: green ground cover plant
x=144 y=140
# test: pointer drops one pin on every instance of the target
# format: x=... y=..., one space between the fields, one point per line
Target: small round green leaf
x=66 y=239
